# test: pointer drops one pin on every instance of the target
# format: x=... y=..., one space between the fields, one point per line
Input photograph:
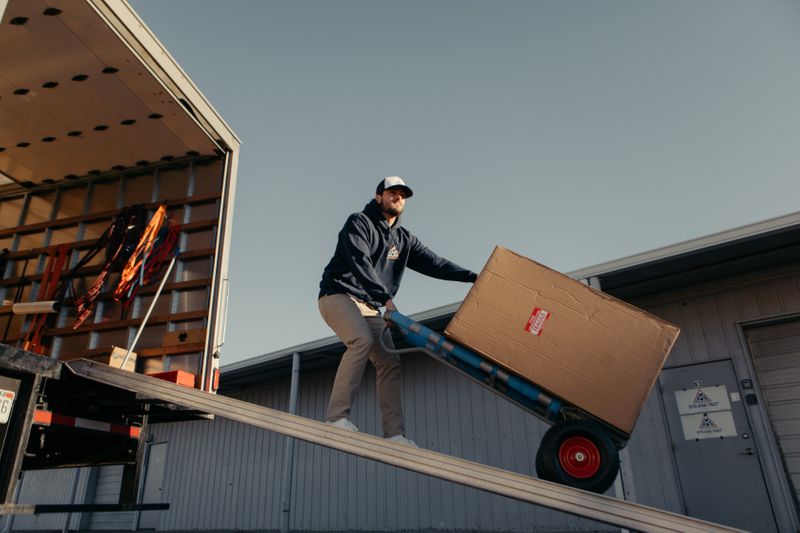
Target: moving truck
x=97 y=121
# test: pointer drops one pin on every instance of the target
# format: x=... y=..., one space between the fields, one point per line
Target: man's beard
x=391 y=211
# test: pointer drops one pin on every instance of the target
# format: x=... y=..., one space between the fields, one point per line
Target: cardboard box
x=584 y=346
x=115 y=359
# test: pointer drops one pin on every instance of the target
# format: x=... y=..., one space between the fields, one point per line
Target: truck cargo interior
x=88 y=129
x=115 y=175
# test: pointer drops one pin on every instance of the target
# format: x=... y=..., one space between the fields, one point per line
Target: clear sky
x=573 y=132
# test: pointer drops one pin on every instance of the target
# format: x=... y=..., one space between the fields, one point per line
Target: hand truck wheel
x=578 y=453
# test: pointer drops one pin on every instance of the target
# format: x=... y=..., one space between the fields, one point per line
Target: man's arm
x=424 y=261
x=354 y=239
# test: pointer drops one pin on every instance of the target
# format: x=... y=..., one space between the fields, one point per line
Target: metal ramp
x=527 y=489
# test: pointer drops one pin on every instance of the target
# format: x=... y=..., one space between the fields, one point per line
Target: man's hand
x=390 y=307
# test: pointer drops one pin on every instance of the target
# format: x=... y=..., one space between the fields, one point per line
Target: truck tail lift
x=567 y=499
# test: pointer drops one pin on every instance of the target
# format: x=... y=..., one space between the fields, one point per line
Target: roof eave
x=690 y=246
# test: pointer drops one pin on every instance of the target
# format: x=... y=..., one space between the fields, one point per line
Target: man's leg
x=344 y=318
x=387 y=369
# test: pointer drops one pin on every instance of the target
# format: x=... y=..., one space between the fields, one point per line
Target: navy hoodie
x=370 y=258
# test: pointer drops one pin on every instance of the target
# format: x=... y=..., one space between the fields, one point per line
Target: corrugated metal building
x=736 y=296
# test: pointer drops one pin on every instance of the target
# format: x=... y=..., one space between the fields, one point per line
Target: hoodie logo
x=394 y=253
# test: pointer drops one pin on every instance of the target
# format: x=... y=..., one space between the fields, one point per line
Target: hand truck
x=578 y=450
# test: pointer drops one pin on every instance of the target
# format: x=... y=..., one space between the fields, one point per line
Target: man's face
x=392 y=201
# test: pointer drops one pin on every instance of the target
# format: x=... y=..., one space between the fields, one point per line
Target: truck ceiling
x=85 y=88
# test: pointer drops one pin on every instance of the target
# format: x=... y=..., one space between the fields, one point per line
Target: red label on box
x=537 y=320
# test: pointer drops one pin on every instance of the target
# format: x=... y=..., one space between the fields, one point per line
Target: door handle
x=747 y=451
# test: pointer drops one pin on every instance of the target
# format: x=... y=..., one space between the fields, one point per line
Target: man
x=364 y=274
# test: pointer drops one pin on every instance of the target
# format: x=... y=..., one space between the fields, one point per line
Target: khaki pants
x=360 y=335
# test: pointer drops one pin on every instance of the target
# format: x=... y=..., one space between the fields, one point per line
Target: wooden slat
x=106 y=215
x=44 y=250
x=144 y=291
x=194 y=254
x=152 y=288
x=199 y=225
x=96 y=269
x=119 y=324
x=143 y=353
x=177 y=349
x=81 y=272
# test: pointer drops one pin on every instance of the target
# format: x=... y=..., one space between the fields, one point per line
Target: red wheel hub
x=579 y=457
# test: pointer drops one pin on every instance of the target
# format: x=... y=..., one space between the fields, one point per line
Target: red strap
x=117 y=233
x=50 y=279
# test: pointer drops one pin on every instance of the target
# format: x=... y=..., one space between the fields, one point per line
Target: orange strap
x=141 y=252
x=166 y=246
x=47 y=290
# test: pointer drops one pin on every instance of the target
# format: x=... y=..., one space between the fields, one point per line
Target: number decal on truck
x=6 y=401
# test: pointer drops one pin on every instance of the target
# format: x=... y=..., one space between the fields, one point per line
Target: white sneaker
x=343 y=423
x=401 y=439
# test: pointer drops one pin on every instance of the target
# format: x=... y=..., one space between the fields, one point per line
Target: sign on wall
x=708 y=425
x=703 y=400
x=705 y=413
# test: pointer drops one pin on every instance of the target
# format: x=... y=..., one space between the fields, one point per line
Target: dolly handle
x=388 y=316
x=400 y=351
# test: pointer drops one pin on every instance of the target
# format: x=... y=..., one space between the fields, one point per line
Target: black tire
x=578 y=453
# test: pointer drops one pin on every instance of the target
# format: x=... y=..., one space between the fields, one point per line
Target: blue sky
x=573 y=132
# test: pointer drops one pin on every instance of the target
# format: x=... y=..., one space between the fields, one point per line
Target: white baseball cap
x=394 y=182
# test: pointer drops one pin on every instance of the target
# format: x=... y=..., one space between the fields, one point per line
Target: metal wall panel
x=221 y=474
x=650 y=452
x=225 y=475
x=106 y=490
x=50 y=486
x=709 y=316
x=776 y=353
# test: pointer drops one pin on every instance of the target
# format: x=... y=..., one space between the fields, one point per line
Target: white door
x=153 y=483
